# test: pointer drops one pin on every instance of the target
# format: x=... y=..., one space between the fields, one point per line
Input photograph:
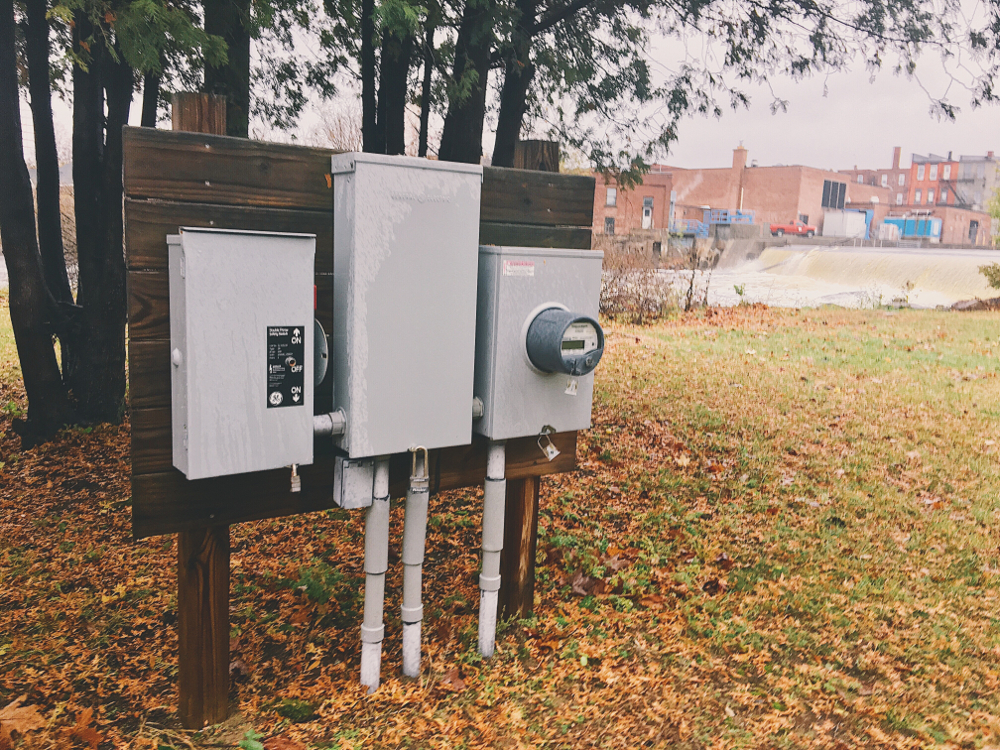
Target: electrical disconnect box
x=537 y=339
x=241 y=350
x=406 y=233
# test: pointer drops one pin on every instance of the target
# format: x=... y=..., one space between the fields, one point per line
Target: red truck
x=797 y=227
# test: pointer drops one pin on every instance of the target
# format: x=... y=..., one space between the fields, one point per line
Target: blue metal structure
x=918 y=227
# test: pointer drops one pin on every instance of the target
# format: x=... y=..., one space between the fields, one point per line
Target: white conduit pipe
x=494 y=503
x=414 y=534
x=376 y=563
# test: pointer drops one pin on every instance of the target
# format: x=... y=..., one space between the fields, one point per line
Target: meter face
x=580 y=338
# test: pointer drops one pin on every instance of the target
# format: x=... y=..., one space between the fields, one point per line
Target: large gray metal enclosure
x=403 y=339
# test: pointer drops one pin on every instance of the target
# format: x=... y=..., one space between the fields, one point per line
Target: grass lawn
x=783 y=532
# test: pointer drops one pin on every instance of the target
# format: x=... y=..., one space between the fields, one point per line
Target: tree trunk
x=46 y=155
x=230 y=19
x=150 y=99
x=462 y=139
x=369 y=123
x=517 y=80
x=98 y=376
x=48 y=407
x=425 y=91
x=391 y=122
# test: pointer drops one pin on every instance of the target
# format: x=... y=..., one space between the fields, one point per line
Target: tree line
x=585 y=66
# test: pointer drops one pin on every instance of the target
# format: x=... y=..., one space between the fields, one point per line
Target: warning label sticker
x=286 y=353
x=519 y=268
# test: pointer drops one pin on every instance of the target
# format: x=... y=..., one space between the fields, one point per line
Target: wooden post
x=198 y=113
x=202 y=554
x=520 y=543
x=520 y=540
x=203 y=625
x=542 y=156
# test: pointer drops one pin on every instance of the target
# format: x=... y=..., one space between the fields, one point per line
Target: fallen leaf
x=725 y=561
x=238 y=669
x=682 y=460
x=283 y=743
x=84 y=732
x=21 y=719
x=453 y=681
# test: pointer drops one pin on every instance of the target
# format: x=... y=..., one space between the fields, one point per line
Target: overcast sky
x=855 y=122
x=834 y=122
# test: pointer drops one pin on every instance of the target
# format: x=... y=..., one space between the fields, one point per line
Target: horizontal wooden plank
x=214 y=169
x=532 y=235
x=149 y=305
x=546 y=198
x=199 y=168
x=166 y=503
x=148 y=222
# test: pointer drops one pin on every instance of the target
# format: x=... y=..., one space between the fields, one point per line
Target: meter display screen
x=580 y=337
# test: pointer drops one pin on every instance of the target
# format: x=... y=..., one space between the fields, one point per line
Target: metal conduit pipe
x=376 y=563
x=414 y=534
x=494 y=501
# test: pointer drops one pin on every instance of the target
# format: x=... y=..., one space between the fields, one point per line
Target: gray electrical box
x=405 y=233
x=517 y=285
x=241 y=350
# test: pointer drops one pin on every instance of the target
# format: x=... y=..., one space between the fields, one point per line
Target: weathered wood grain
x=199 y=168
x=519 y=196
x=534 y=235
x=148 y=222
x=167 y=502
x=203 y=625
x=517 y=560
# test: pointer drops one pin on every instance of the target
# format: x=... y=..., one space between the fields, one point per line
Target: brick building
x=933 y=180
x=783 y=194
x=896 y=179
x=618 y=211
x=777 y=194
x=978 y=179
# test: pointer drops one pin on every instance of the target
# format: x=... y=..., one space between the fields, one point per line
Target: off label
x=286 y=353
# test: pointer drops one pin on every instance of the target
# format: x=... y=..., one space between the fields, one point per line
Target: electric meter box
x=519 y=286
x=405 y=240
x=241 y=350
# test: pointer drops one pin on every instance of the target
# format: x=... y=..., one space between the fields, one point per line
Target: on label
x=286 y=353
x=519 y=268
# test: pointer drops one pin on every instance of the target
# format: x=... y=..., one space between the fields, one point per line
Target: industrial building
x=932 y=186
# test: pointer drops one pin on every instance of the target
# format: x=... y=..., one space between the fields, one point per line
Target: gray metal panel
x=405 y=238
x=353 y=482
x=226 y=288
x=519 y=400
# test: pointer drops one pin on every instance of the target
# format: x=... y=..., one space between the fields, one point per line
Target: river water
x=850 y=277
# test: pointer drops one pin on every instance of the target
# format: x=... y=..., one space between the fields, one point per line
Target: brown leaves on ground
x=16 y=719
x=686 y=596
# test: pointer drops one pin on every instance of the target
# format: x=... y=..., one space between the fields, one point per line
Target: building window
x=885 y=180
x=901 y=180
x=944 y=195
x=973 y=231
x=861 y=179
x=657 y=249
x=899 y=199
x=930 y=196
x=612 y=199
x=834 y=194
x=917 y=196
x=946 y=172
x=933 y=172
x=920 y=172
x=804 y=218
x=609 y=224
